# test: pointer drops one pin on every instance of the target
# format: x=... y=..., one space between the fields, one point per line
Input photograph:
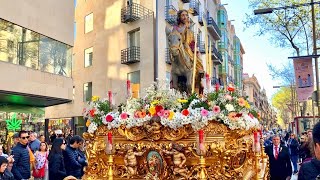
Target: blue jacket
x=57 y=169
x=309 y=170
x=71 y=160
x=82 y=161
x=21 y=165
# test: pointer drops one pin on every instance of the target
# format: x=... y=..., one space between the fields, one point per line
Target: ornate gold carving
x=172 y=154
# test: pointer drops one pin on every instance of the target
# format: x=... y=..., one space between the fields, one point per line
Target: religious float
x=192 y=131
x=168 y=135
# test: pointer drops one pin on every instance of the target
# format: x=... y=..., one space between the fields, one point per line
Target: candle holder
x=109 y=152
x=201 y=151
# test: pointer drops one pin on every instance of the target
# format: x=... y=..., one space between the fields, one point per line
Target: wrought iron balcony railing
x=170 y=14
x=200 y=19
x=213 y=28
x=130 y=55
x=216 y=55
x=185 y=1
x=195 y=6
x=168 y=61
x=134 y=12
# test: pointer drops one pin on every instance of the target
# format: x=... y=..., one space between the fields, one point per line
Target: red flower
x=185 y=112
x=109 y=118
x=231 y=88
x=158 y=108
x=239 y=115
x=91 y=112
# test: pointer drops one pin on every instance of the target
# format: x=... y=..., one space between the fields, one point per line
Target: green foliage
x=288 y=27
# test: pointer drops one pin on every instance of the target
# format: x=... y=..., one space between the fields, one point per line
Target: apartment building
x=36 y=39
x=120 y=40
x=259 y=99
x=231 y=49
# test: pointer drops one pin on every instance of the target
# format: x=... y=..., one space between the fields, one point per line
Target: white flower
x=229 y=107
x=92 y=127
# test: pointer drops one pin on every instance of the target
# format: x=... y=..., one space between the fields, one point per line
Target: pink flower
x=204 y=112
x=124 y=116
x=216 y=109
x=228 y=97
x=109 y=118
x=160 y=113
x=166 y=113
x=251 y=115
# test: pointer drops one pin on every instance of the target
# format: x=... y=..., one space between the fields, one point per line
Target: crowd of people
x=286 y=151
x=30 y=156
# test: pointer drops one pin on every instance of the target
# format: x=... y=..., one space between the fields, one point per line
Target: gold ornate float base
x=155 y=152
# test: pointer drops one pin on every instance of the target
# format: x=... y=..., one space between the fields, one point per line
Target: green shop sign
x=13 y=124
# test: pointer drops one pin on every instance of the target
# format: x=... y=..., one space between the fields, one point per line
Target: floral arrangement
x=175 y=110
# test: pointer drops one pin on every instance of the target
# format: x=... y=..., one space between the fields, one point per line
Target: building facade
x=36 y=40
x=232 y=51
x=120 y=40
x=259 y=99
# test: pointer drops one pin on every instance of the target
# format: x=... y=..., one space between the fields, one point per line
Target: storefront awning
x=31 y=100
x=21 y=109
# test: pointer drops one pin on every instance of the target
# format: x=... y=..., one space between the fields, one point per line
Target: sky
x=259 y=50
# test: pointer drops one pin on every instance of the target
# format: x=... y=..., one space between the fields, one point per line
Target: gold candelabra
x=110 y=167
x=203 y=171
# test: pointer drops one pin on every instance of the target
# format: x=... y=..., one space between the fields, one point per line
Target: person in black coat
x=57 y=169
x=5 y=174
x=293 y=146
x=311 y=170
x=21 y=164
x=72 y=159
x=279 y=160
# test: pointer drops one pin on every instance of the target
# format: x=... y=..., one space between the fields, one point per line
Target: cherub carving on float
x=130 y=161
x=179 y=160
x=181 y=44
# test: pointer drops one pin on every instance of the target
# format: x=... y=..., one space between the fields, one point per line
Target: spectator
x=59 y=133
x=42 y=138
x=293 y=146
x=34 y=143
x=53 y=136
x=21 y=165
x=311 y=170
x=1 y=152
x=70 y=135
x=279 y=159
x=5 y=174
x=57 y=170
x=41 y=165
x=82 y=157
x=71 y=157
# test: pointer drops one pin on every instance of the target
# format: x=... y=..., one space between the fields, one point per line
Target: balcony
x=134 y=12
x=194 y=5
x=171 y=14
x=200 y=20
x=213 y=29
x=185 y=1
x=168 y=61
x=130 y=55
x=216 y=56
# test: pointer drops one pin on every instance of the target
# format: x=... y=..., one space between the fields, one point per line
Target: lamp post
x=312 y=3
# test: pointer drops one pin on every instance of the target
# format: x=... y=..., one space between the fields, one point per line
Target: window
x=168 y=76
x=87 y=91
x=88 y=55
x=88 y=23
x=134 y=38
x=134 y=78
